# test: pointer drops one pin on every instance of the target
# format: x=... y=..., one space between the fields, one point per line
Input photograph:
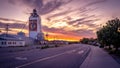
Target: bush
x=44 y=47
x=56 y=45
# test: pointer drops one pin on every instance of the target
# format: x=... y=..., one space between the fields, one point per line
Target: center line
x=80 y=52
x=46 y=58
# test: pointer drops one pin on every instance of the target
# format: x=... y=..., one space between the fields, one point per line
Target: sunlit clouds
x=61 y=19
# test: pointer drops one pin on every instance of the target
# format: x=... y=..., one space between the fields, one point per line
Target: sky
x=69 y=20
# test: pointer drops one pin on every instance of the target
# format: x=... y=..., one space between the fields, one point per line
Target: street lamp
x=47 y=36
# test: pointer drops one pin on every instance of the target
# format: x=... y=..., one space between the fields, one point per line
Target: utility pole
x=7 y=28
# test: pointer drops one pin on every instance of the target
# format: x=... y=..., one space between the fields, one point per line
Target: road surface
x=71 y=56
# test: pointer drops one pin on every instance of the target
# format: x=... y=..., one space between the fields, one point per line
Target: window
x=3 y=43
x=14 y=42
x=9 y=42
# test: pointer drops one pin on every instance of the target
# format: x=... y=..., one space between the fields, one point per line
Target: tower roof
x=34 y=14
x=34 y=11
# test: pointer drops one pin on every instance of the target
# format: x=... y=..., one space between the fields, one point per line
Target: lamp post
x=47 y=36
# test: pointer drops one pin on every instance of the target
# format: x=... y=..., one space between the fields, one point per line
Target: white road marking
x=71 y=51
x=80 y=52
x=21 y=58
x=46 y=58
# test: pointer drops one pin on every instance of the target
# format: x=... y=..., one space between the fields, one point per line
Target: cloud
x=13 y=25
x=31 y=3
x=87 y=22
x=53 y=30
x=13 y=20
x=80 y=20
x=16 y=24
x=57 y=30
x=85 y=8
x=80 y=15
x=59 y=14
x=84 y=33
x=79 y=32
x=94 y=2
x=65 y=14
x=43 y=8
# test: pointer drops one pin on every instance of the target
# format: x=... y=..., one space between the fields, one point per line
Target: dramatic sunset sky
x=61 y=19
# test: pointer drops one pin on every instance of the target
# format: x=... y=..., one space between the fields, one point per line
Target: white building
x=9 y=40
x=35 y=30
x=15 y=40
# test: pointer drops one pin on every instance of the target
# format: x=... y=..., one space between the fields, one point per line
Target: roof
x=14 y=37
x=9 y=37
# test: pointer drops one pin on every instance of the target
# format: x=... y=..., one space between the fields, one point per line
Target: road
x=71 y=56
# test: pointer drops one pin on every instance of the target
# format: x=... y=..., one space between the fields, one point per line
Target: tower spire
x=34 y=14
x=34 y=11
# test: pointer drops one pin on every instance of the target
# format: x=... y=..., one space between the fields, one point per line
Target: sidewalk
x=98 y=58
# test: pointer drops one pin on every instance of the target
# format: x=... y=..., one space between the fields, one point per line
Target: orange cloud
x=57 y=36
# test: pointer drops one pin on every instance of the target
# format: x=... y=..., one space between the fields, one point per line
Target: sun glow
x=57 y=36
x=59 y=25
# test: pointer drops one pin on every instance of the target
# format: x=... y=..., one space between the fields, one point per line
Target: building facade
x=35 y=30
x=8 y=40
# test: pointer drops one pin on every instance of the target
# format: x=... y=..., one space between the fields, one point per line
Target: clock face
x=33 y=25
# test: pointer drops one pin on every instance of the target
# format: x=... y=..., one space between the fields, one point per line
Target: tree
x=85 y=40
x=109 y=34
x=88 y=41
x=104 y=36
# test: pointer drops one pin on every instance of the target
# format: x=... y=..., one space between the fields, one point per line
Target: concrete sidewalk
x=98 y=58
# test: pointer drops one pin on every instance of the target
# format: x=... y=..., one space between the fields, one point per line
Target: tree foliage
x=85 y=40
x=88 y=40
x=109 y=34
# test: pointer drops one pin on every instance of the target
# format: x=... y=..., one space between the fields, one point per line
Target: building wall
x=37 y=33
x=5 y=43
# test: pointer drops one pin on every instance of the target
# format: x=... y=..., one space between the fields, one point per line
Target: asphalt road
x=71 y=56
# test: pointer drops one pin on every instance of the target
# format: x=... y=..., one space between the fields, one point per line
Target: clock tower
x=35 y=30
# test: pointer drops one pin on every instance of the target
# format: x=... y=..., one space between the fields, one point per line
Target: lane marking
x=80 y=52
x=71 y=51
x=46 y=58
x=20 y=58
